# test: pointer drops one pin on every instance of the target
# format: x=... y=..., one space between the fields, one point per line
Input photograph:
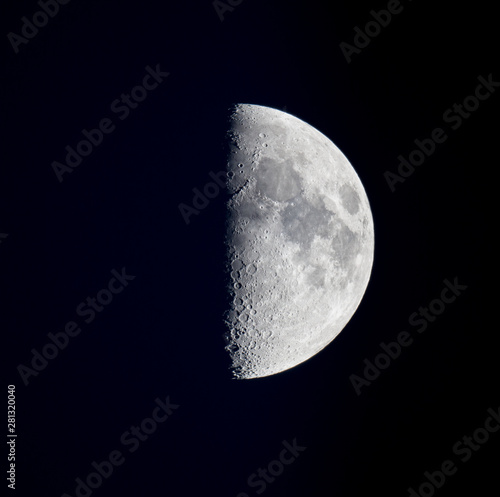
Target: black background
x=163 y=334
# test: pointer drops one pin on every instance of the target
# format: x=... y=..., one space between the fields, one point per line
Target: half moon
x=300 y=241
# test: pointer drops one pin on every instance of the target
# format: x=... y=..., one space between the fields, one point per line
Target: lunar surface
x=299 y=237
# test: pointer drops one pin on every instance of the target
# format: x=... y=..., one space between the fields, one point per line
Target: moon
x=299 y=239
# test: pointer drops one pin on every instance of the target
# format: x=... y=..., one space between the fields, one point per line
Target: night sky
x=111 y=114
